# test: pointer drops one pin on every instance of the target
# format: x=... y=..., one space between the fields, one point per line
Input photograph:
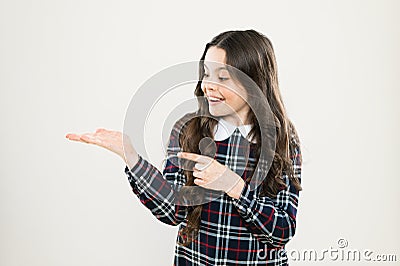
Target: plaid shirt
x=251 y=230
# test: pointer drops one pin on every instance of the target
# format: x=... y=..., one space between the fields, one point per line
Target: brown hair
x=252 y=53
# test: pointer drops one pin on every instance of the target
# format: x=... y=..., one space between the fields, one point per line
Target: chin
x=216 y=113
x=219 y=114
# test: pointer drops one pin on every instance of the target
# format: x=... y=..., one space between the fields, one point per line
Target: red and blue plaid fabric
x=251 y=230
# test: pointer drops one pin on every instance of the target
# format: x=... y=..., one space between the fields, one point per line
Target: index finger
x=194 y=157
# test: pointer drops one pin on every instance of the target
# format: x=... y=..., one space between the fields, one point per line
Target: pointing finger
x=194 y=157
x=188 y=155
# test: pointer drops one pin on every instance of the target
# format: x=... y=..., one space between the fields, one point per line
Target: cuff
x=245 y=203
x=137 y=175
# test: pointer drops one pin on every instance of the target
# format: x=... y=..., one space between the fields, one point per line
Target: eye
x=223 y=78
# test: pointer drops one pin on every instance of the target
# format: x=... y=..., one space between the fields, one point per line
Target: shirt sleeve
x=156 y=190
x=273 y=221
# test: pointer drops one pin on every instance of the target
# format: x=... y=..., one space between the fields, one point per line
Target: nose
x=208 y=86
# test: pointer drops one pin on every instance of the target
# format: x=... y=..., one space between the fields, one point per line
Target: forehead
x=215 y=54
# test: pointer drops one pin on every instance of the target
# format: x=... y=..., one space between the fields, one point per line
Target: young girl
x=245 y=225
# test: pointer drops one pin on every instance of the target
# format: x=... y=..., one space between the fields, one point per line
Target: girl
x=245 y=225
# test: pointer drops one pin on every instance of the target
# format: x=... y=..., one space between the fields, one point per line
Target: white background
x=73 y=66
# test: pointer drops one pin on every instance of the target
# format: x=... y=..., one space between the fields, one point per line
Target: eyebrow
x=217 y=68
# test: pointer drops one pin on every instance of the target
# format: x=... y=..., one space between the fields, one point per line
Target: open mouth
x=215 y=99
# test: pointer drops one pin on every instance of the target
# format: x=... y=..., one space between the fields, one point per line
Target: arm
x=148 y=183
x=157 y=190
x=272 y=220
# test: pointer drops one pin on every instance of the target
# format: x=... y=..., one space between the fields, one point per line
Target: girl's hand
x=211 y=174
x=110 y=140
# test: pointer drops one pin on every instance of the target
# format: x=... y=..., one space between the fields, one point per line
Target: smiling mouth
x=215 y=99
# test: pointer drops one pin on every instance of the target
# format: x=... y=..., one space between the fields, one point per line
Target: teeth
x=214 y=99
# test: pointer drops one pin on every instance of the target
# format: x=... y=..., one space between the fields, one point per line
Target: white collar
x=225 y=129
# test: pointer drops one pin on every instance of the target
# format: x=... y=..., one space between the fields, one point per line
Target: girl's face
x=223 y=93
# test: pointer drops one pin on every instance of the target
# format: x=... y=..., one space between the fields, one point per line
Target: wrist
x=237 y=189
x=131 y=159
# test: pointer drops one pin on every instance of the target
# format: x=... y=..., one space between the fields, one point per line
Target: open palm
x=111 y=140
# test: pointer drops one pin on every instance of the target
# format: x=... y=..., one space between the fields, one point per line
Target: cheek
x=232 y=98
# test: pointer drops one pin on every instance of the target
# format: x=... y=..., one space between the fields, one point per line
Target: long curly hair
x=252 y=53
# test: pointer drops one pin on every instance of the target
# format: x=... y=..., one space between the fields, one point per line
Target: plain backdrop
x=73 y=66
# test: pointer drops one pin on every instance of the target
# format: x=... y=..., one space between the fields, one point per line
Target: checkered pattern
x=251 y=230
